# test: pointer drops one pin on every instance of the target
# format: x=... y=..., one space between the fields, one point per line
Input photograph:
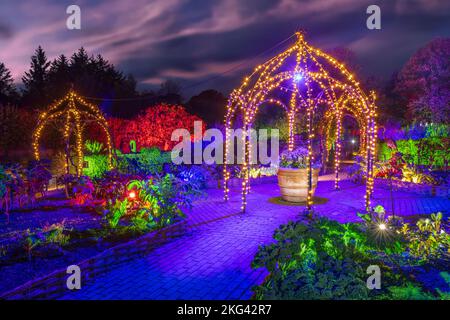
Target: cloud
x=192 y=40
x=5 y=31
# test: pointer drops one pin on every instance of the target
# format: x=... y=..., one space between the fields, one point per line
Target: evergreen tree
x=35 y=81
x=8 y=93
x=59 y=79
x=89 y=76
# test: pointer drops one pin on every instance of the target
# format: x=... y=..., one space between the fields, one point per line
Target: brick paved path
x=213 y=260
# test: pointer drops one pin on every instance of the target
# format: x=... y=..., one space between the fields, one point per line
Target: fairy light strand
x=311 y=72
x=69 y=108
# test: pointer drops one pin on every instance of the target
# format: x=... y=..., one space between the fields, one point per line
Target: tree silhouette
x=8 y=93
x=209 y=105
x=59 y=79
x=424 y=83
x=170 y=93
x=88 y=75
x=35 y=80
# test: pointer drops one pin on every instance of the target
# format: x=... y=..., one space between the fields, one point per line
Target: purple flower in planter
x=297 y=158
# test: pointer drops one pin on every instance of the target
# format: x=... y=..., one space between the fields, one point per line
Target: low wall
x=53 y=286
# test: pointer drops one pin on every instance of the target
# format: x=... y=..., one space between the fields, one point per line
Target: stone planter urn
x=293 y=183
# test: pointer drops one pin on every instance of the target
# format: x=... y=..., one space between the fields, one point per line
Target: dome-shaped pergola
x=75 y=112
x=300 y=80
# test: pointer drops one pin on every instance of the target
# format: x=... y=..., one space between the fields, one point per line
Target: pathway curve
x=213 y=261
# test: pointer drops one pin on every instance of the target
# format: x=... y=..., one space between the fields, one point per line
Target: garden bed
x=53 y=285
x=323 y=259
x=85 y=228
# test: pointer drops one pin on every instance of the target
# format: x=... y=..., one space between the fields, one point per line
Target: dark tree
x=35 y=81
x=8 y=93
x=424 y=83
x=15 y=131
x=97 y=77
x=89 y=76
x=391 y=109
x=170 y=93
x=59 y=76
x=210 y=105
x=347 y=57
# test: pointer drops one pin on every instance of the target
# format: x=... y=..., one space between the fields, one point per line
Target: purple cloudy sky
x=193 y=40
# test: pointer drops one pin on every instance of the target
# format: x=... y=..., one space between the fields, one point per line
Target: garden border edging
x=53 y=285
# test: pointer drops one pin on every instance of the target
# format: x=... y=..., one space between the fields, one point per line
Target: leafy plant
x=428 y=240
x=56 y=234
x=382 y=230
x=413 y=174
x=97 y=165
x=38 y=176
x=69 y=181
x=114 y=211
x=160 y=201
x=357 y=171
x=112 y=185
x=315 y=261
x=391 y=168
x=444 y=295
x=430 y=150
x=83 y=190
x=94 y=147
x=153 y=160
x=408 y=292
x=327 y=260
x=193 y=178
x=30 y=242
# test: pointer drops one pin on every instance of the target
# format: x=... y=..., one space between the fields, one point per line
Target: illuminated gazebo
x=302 y=80
x=75 y=113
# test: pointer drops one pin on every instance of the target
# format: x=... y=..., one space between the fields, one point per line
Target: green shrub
x=153 y=159
x=328 y=260
x=93 y=147
x=409 y=150
x=432 y=150
x=428 y=239
x=384 y=152
x=159 y=201
x=148 y=161
x=408 y=292
x=315 y=261
x=97 y=165
x=114 y=211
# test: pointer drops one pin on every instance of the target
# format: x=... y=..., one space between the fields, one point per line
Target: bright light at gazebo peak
x=298 y=76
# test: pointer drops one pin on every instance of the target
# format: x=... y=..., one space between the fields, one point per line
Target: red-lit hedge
x=153 y=128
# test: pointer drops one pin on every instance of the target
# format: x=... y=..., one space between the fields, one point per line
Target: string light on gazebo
x=313 y=78
x=69 y=109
